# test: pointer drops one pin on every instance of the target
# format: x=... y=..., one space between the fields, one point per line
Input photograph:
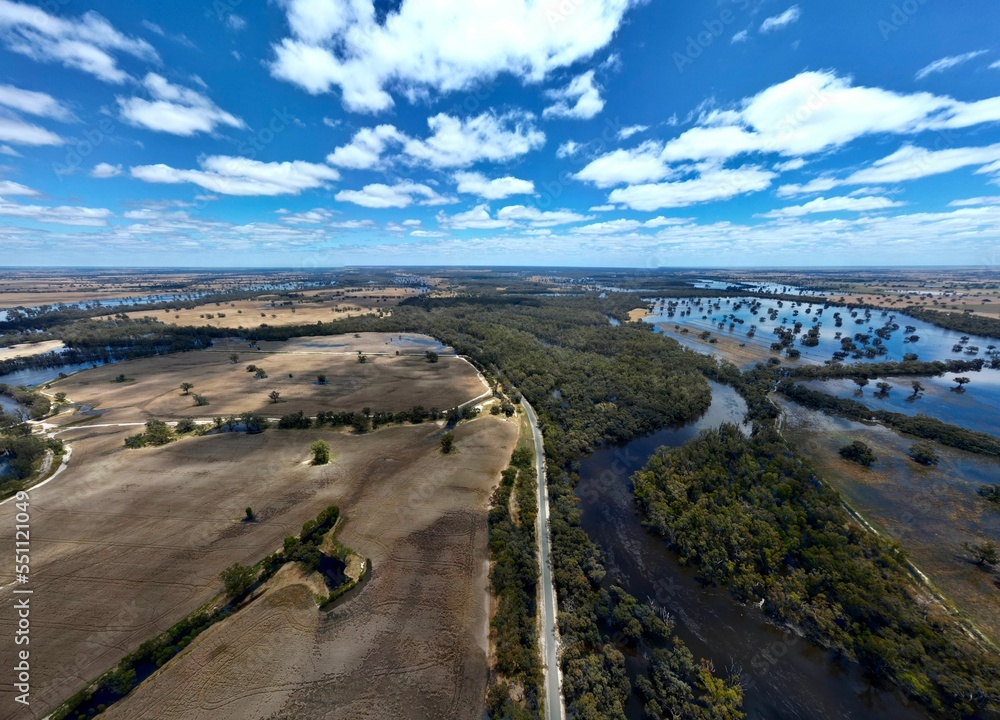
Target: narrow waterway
x=784 y=677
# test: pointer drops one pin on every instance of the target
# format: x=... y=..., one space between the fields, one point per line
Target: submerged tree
x=923 y=453
x=858 y=452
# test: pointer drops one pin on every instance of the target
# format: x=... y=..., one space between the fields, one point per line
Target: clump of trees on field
x=786 y=540
x=157 y=433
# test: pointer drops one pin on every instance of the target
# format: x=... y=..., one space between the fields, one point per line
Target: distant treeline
x=110 y=340
x=959 y=322
x=885 y=369
x=921 y=426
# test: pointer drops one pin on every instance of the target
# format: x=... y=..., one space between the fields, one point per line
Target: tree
x=250 y=516
x=238 y=579
x=448 y=443
x=860 y=382
x=234 y=358
x=120 y=378
x=321 y=379
x=200 y=400
x=858 y=452
x=985 y=554
x=923 y=453
x=274 y=396
x=60 y=397
x=321 y=452
x=158 y=432
x=186 y=387
x=917 y=388
x=185 y=426
x=362 y=358
x=260 y=374
x=962 y=382
x=883 y=388
x=432 y=357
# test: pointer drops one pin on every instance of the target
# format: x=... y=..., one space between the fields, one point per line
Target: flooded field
x=785 y=678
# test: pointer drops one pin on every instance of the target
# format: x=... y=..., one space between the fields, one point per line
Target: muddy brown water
x=784 y=676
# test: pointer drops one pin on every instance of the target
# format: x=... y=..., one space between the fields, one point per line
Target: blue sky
x=320 y=133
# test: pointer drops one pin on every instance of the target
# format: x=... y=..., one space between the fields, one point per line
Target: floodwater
x=785 y=678
x=39 y=376
x=859 y=327
x=974 y=408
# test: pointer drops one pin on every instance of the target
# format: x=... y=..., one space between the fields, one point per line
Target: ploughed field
x=385 y=382
x=126 y=542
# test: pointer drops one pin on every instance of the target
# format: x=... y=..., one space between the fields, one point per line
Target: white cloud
x=710 y=185
x=235 y=22
x=9 y=151
x=581 y=99
x=907 y=163
x=479 y=218
x=834 y=204
x=59 y=215
x=364 y=152
x=442 y=45
x=540 y=218
x=8 y=187
x=626 y=132
x=427 y=234
x=453 y=142
x=229 y=175
x=86 y=43
x=34 y=103
x=105 y=170
x=641 y=164
x=810 y=113
x=153 y=27
x=174 y=109
x=617 y=227
x=789 y=165
x=946 y=63
x=19 y=132
x=994 y=200
x=567 y=149
x=496 y=189
x=400 y=195
x=780 y=22
x=458 y=143
x=602 y=208
x=741 y=36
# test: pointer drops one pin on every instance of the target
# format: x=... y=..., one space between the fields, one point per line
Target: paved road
x=554 y=709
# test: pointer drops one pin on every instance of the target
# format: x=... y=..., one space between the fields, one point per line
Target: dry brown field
x=27 y=349
x=127 y=542
x=384 y=383
x=410 y=642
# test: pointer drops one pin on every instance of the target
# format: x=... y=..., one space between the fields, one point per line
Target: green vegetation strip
x=752 y=516
x=239 y=582
x=514 y=687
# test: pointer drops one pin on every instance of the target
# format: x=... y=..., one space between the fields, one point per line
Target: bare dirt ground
x=384 y=383
x=931 y=511
x=127 y=542
x=27 y=349
x=313 y=306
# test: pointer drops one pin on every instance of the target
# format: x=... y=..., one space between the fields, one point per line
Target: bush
x=238 y=579
x=448 y=443
x=924 y=454
x=858 y=452
x=321 y=452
